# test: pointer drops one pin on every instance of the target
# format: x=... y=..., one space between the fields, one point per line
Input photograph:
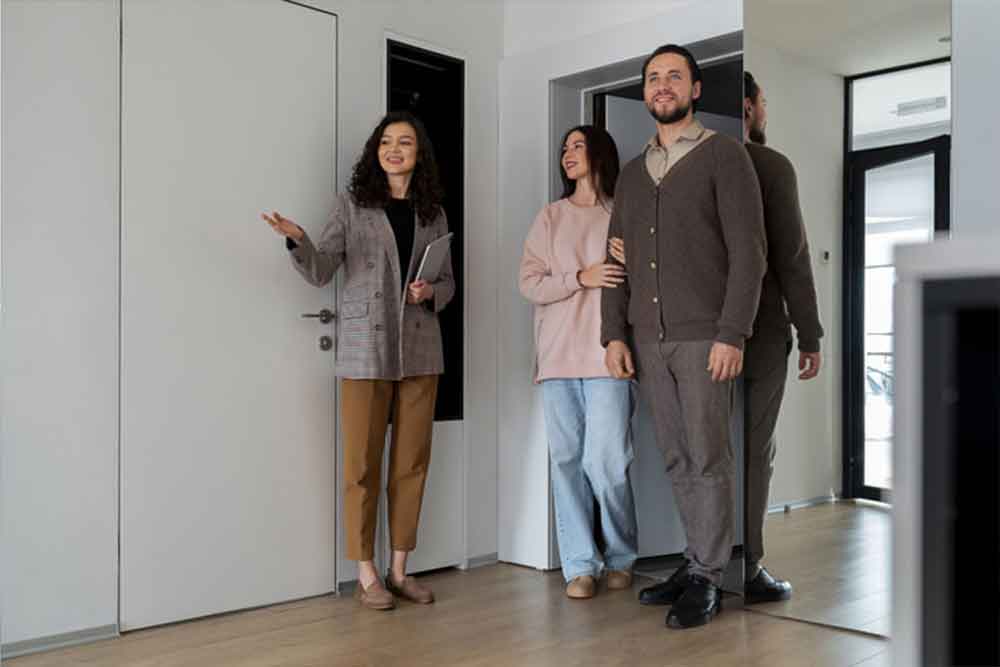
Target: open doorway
x=431 y=86
x=611 y=97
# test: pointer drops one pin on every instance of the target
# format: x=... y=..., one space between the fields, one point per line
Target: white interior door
x=228 y=409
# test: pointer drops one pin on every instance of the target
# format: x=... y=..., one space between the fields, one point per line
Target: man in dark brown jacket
x=788 y=296
x=689 y=211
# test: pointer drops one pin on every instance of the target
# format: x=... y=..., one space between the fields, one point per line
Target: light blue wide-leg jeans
x=588 y=422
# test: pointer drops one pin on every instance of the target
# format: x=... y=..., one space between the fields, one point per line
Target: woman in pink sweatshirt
x=587 y=412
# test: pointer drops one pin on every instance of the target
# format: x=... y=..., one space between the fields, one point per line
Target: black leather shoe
x=698 y=605
x=765 y=588
x=665 y=592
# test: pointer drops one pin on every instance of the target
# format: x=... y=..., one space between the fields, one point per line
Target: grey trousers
x=691 y=417
x=763 y=389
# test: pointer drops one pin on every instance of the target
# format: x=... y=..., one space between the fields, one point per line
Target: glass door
x=897 y=195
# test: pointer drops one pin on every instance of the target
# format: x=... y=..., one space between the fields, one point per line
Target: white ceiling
x=533 y=24
x=852 y=36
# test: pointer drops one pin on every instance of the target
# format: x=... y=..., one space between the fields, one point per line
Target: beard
x=758 y=135
x=670 y=117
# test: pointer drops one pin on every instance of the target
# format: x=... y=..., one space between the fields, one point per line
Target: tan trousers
x=365 y=407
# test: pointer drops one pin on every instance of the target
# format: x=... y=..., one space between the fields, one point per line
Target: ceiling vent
x=921 y=106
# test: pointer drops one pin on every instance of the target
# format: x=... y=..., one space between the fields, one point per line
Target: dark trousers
x=691 y=416
x=763 y=389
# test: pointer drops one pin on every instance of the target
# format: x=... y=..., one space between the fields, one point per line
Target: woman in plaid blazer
x=389 y=352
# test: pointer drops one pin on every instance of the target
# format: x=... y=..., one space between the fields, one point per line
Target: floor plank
x=837 y=557
x=497 y=615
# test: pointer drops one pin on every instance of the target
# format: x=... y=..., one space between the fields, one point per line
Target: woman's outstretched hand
x=284 y=226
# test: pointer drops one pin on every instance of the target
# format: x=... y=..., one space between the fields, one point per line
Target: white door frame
x=389 y=35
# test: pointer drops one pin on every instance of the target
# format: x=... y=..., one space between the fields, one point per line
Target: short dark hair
x=680 y=51
x=602 y=154
x=750 y=88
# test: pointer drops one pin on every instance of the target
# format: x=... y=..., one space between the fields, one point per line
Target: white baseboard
x=64 y=640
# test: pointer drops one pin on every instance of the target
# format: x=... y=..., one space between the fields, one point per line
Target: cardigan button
x=370 y=265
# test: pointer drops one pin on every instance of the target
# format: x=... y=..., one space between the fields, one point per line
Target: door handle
x=325 y=316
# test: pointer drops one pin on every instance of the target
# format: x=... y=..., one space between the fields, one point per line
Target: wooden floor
x=837 y=557
x=496 y=615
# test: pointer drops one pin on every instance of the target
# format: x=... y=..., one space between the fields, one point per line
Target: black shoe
x=765 y=588
x=700 y=603
x=665 y=592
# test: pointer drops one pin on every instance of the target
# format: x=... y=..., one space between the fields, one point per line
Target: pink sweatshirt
x=564 y=239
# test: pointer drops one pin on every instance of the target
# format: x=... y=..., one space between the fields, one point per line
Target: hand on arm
x=616 y=248
x=601 y=275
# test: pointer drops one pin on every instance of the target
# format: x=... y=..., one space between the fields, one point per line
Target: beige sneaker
x=410 y=589
x=619 y=579
x=375 y=596
x=581 y=588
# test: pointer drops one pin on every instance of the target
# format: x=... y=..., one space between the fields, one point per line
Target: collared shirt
x=660 y=160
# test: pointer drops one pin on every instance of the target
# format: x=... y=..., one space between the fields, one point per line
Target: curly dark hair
x=602 y=154
x=369 y=186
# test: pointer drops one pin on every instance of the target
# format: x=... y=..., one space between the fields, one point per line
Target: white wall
x=975 y=99
x=60 y=318
x=525 y=153
x=806 y=123
x=529 y=25
x=59 y=486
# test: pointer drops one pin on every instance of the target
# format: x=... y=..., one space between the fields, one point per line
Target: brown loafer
x=581 y=588
x=410 y=589
x=375 y=596
x=619 y=579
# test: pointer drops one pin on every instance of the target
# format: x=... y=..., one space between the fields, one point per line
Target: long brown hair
x=602 y=155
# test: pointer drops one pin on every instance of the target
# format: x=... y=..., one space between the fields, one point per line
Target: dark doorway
x=431 y=86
